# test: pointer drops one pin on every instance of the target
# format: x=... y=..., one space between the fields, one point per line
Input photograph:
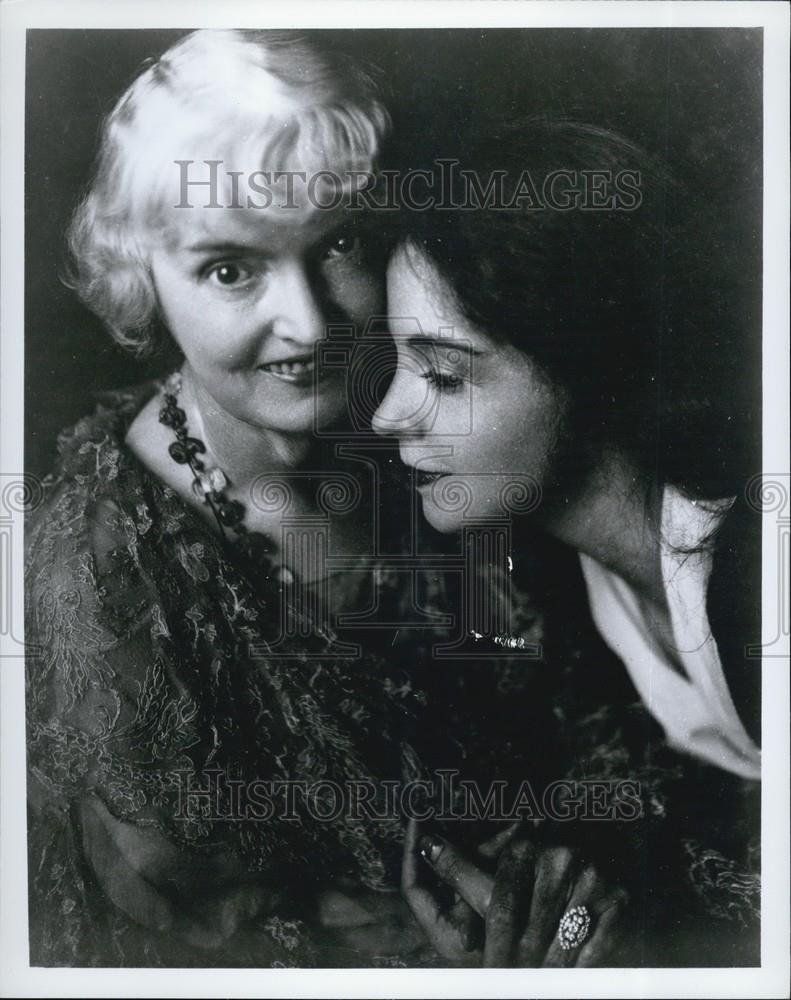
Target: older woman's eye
x=342 y=246
x=228 y=274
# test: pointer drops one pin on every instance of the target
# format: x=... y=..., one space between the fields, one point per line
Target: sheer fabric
x=153 y=698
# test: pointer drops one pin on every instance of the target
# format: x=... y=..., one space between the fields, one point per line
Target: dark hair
x=617 y=305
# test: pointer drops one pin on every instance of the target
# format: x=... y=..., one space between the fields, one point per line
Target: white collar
x=696 y=711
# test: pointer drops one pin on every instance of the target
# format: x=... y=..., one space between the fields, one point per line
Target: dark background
x=693 y=96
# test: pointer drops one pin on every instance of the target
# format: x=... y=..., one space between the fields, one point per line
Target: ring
x=574 y=927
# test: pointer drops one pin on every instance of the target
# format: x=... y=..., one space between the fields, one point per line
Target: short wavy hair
x=271 y=100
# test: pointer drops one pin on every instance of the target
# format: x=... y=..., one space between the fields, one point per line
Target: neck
x=613 y=518
x=241 y=450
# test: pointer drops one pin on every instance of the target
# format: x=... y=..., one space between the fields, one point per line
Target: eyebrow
x=233 y=246
x=444 y=343
x=223 y=247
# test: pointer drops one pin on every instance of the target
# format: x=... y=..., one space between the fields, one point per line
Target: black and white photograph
x=395 y=536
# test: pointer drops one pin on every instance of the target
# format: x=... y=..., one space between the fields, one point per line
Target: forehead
x=419 y=295
x=277 y=229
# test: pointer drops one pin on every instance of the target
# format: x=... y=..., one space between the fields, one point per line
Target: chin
x=457 y=500
x=306 y=417
x=443 y=521
x=447 y=503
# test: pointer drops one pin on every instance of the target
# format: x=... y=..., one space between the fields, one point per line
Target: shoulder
x=97 y=501
x=734 y=608
x=91 y=451
x=94 y=475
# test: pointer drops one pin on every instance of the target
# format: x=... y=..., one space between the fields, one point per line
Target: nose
x=299 y=316
x=406 y=411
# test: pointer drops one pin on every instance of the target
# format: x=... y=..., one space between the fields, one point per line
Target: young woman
x=564 y=342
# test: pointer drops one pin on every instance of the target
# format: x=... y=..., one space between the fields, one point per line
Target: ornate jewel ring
x=574 y=927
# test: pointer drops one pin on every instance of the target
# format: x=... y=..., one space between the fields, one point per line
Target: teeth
x=288 y=369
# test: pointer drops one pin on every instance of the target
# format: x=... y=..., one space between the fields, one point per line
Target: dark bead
x=231 y=512
x=172 y=416
x=197 y=464
x=194 y=445
x=179 y=453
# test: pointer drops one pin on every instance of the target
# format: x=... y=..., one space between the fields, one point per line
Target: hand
x=158 y=886
x=510 y=918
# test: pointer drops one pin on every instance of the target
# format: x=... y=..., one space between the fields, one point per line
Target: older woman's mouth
x=298 y=370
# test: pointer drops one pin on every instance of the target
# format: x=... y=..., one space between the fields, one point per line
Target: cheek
x=179 y=309
x=510 y=444
x=512 y=427
x=209 y=335
x=360 y=293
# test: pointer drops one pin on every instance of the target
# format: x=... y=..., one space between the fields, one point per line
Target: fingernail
x=430 y=848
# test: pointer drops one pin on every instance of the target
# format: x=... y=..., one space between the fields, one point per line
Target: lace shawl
x=141 y=683
x=151 y=675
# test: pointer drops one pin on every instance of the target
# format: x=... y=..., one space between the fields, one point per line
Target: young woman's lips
x=425 y=477
x=296 y=371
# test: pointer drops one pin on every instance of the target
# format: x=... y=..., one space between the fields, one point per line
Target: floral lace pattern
x=147 y=685
x=154 y=674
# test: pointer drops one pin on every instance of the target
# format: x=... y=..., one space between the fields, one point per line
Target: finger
x=411 y=858
x=127 y=889
x=589 y=891
x=607 y=936
x=449 y=933
x=467 y=924
x=494 y=846
x=214 y=923
x=551 y=892
x=510 y=903
x=159 y=860
x=210 y=922
x=450 y=865
x=423 y=903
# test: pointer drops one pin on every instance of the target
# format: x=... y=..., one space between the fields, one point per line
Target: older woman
x=178 y=588
x=220 y=770
x=558 y=340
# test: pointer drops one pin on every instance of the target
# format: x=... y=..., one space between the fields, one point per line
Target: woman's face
x=473 y=417
x=248 y=294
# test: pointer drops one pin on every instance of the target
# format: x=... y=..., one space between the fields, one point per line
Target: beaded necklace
x=209 y=483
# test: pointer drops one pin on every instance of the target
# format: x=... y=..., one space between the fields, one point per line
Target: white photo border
x=771 y=979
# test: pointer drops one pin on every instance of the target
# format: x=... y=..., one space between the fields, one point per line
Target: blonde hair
x=267 y=99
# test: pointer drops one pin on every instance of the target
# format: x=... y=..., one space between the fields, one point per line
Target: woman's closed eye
x=444 y=381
